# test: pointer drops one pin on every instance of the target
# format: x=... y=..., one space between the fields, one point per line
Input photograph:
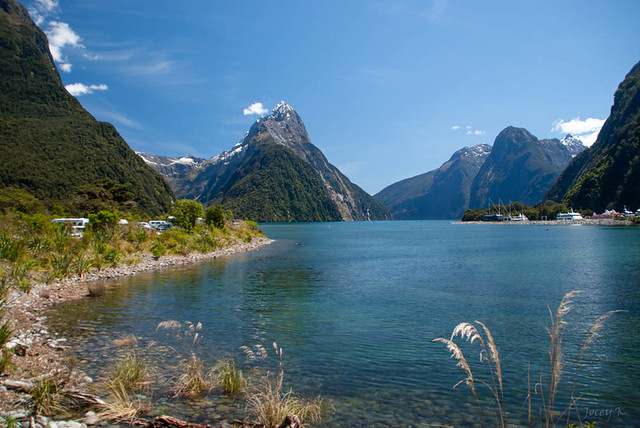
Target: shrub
x=158 y=249
x=187 y=213
x=215 y=216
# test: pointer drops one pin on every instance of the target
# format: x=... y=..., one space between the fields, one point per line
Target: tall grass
x=228 y=377
x=47 y=397
x=131 y=372
x=490 y=356
x=6 y=332
x=271 y=404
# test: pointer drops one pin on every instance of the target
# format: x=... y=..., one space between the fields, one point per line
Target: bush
x=103 y=220
x=187 y=213
x=158 y=249
x=215 y=216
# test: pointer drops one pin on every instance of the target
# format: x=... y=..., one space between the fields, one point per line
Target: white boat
x=569 y=216
x=519 y=217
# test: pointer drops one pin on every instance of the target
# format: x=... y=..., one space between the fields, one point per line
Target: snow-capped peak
x=282 y=111
x=575 y=145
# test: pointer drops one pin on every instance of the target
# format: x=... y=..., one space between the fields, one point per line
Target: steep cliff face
x=607 y=174
x=49 y=145
x=281 y=174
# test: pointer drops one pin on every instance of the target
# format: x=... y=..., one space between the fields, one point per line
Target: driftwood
x=291 y=421
x=19 y=385
x=171 y=422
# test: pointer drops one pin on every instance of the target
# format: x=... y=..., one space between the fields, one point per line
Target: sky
x=387 y=89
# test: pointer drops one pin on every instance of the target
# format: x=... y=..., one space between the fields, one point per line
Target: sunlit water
x=356 y=307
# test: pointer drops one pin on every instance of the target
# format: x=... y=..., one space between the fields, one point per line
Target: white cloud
x=78 y=89
x=61 y=35
x=586 y=130
x=41 y=9
x=255 y=108
x=66 y=67
x=475 y=132
x=455 y=127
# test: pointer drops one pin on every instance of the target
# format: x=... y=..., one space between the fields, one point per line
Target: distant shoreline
x=584 y=222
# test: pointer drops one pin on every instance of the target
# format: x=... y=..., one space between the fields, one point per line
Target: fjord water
x=356 y=307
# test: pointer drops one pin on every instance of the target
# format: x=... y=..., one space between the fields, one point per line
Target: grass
x=271 y=404
x=229 y=378
x=489 y=355
x=121 y=407
x=47 y=397
x=130 y=372
x=32 y=250
x=6 y=333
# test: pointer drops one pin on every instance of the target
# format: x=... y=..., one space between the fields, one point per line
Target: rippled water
x=356 y=306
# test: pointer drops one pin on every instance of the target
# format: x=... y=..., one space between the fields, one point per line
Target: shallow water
x=356 y=306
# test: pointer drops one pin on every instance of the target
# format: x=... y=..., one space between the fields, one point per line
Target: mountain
x=275 y=173
x=520 y=168
x=49 y=144
x=607 y=174
x=573 y=144
x=442 y=193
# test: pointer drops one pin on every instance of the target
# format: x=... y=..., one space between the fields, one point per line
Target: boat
x=519 y=217
x=627 y=213
x=569 y=216
x=606 y=215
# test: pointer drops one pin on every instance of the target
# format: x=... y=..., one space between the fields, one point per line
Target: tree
x=187 y=212
x=215 y=216
x=103 y=220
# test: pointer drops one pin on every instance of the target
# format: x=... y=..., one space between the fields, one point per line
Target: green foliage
x=103 y=220
x=276 y=185
x=131 y=372
x=187 y=213
x=228 y=377
x=546 y=211
x=49 y=145
x=158 y=249
x=215 y=216
x=19 y=200
x=607 y=174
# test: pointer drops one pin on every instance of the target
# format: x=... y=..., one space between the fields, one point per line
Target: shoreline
x=39 y=354
x=583 y=222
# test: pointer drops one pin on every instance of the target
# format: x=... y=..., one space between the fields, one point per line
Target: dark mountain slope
x=608 y=173
x=50 y=145
x=439 y=194
x=520 y=168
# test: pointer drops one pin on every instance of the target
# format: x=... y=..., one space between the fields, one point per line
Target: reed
x=489 y=354
x=193 y=382
x=271 y=405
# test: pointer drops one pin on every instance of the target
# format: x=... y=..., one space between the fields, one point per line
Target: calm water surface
x=356 y=306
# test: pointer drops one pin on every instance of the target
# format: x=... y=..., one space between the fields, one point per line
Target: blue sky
x=387 y=89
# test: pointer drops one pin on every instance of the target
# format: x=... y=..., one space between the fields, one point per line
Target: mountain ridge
x=214 y=180
x=605 y=176
x=50 y=145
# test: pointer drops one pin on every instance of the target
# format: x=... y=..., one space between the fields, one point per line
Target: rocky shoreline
x=39 y=355
x=583 y=222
